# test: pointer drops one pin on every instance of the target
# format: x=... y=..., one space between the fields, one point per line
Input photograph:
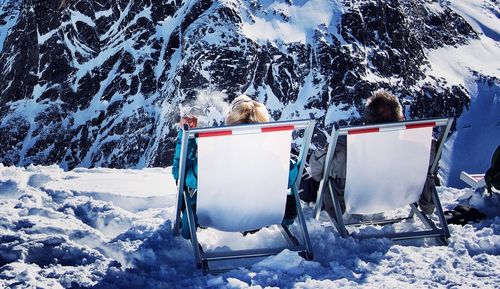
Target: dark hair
x=383 y=107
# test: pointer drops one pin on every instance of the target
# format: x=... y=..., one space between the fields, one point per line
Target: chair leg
x=302 y=222
x=427 y=222
x=439 y=211
x=180 y=180
x=192 y=230
x=177 y=221
x=339 y=219
x=319 y=200
x=290 y=238
x=430 y=224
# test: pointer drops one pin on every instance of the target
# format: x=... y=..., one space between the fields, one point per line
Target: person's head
x=383 y=107
x=246 y=110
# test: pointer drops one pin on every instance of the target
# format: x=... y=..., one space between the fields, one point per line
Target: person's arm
x=191 y=179
x=191 y=176
x=317 y=163
x=292 y=173
x=339 y=161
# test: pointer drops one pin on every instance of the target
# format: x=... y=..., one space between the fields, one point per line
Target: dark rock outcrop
x=98 y=83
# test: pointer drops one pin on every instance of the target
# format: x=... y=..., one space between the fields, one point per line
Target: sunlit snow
x=112 y=229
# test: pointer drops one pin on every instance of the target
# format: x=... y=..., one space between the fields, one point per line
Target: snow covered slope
x=477 y=134
x=99 y=83
x=59 y=230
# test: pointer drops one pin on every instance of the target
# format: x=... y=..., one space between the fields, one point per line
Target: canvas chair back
x=243 y=177
x=386 y=168
x=243 y=174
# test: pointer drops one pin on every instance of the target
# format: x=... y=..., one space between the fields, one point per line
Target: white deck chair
x=242 y=184
x=473 y=180
x=387 y=166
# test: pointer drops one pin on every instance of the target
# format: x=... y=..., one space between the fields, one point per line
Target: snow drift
x=105 y=228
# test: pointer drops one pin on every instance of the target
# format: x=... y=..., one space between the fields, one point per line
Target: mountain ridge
x=99 y=83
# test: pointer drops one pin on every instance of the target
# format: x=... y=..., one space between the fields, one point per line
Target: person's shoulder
x=318 y=153
x=341 y=143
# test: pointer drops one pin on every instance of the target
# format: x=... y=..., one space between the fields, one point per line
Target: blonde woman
x=243 y=110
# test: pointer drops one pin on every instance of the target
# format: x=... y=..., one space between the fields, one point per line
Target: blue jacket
x=191 y=177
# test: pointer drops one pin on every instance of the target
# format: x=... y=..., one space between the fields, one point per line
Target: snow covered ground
x=105 y=228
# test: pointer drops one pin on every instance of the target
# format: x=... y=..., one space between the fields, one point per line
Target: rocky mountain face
x=99 y=83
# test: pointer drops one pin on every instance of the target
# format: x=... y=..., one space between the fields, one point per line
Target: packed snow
x=107 y=228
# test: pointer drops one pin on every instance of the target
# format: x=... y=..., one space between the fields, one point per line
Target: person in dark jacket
x=382 y=107
x=243 y=110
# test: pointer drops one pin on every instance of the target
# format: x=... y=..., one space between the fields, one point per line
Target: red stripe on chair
x=366 y=130
x=215 y=133
x=420 y=125
x=278 y=128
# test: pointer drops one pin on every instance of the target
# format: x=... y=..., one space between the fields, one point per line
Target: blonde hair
x=246 y=110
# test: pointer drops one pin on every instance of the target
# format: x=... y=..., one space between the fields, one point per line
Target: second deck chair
x=387 y=166
x=243 y=173
x=473 y=180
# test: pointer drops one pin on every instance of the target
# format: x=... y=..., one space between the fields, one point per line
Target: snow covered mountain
x=99 y=83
